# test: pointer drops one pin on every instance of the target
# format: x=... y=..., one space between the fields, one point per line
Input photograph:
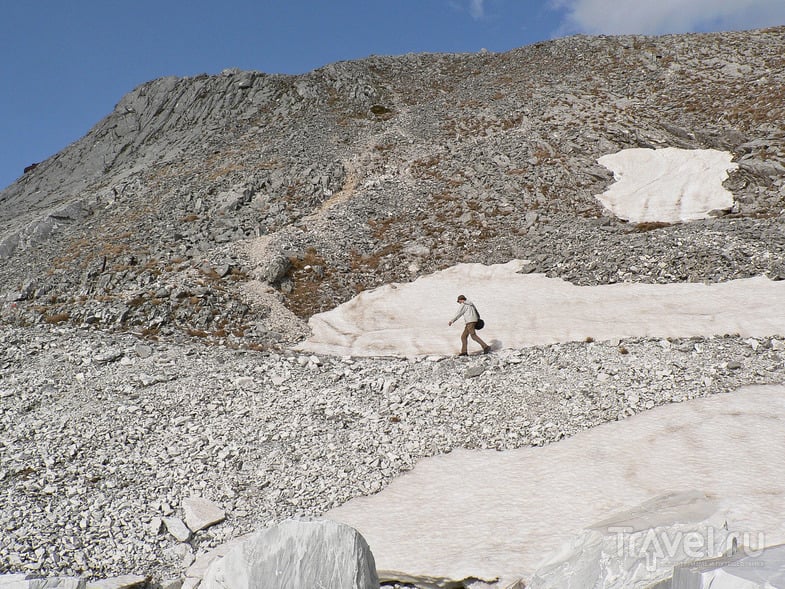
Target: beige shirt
x=468 y=311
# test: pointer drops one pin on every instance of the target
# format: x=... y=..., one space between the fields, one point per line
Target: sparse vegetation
x=57 y=318
x=650 y=226
x=382 y=112
x=444 y=159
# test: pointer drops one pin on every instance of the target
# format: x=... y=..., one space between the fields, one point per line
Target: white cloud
x=477 y=9
x=667 y=16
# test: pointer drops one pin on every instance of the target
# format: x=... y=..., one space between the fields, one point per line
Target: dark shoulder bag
x=480 y=323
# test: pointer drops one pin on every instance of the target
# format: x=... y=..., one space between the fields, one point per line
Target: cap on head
x=461 y=298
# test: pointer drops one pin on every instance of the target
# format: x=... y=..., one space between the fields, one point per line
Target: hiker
x=470 y=315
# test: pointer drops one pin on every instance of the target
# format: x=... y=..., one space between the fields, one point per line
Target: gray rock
x=177 y=528
x=276 y=270
x=108 y=356
x=297 y=554
x=201 y=513
x=8 y=244
x=143 y=351
x=233 y=200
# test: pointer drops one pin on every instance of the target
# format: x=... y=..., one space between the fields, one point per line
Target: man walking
x=470 y=315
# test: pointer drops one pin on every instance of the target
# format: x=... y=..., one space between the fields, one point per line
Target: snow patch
x=531 y=309
x=488 y=513
x=668 y=185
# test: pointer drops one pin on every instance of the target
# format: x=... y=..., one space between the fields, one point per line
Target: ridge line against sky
x=65 y=65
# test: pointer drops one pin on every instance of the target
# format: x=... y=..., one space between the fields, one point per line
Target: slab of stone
x=25 y=582
x=201 y=513
x=13 y=578
x=177 y=528
x=203 y=560
x=297 y=554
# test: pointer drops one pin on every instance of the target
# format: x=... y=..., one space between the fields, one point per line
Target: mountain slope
x=194 y=192
x=230 y=208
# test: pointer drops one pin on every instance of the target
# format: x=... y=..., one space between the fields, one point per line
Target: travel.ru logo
x=669 y=545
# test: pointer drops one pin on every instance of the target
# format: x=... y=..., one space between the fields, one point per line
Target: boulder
x=297 y=554
x=276 y=270
x=177 y=528
x=8 y=245
x=233 y=200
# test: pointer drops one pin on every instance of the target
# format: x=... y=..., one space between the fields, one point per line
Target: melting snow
x=667 y=185
x=487 y=513
x=530 y=309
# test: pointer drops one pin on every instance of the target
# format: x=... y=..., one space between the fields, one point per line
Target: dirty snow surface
x=488 y=513
x=530 y=309
x=664 y=185
x=667 y=185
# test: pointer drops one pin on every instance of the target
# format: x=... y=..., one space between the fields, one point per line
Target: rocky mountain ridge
x=367 y=172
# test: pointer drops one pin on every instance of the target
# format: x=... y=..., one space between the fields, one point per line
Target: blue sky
x=64 y=64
